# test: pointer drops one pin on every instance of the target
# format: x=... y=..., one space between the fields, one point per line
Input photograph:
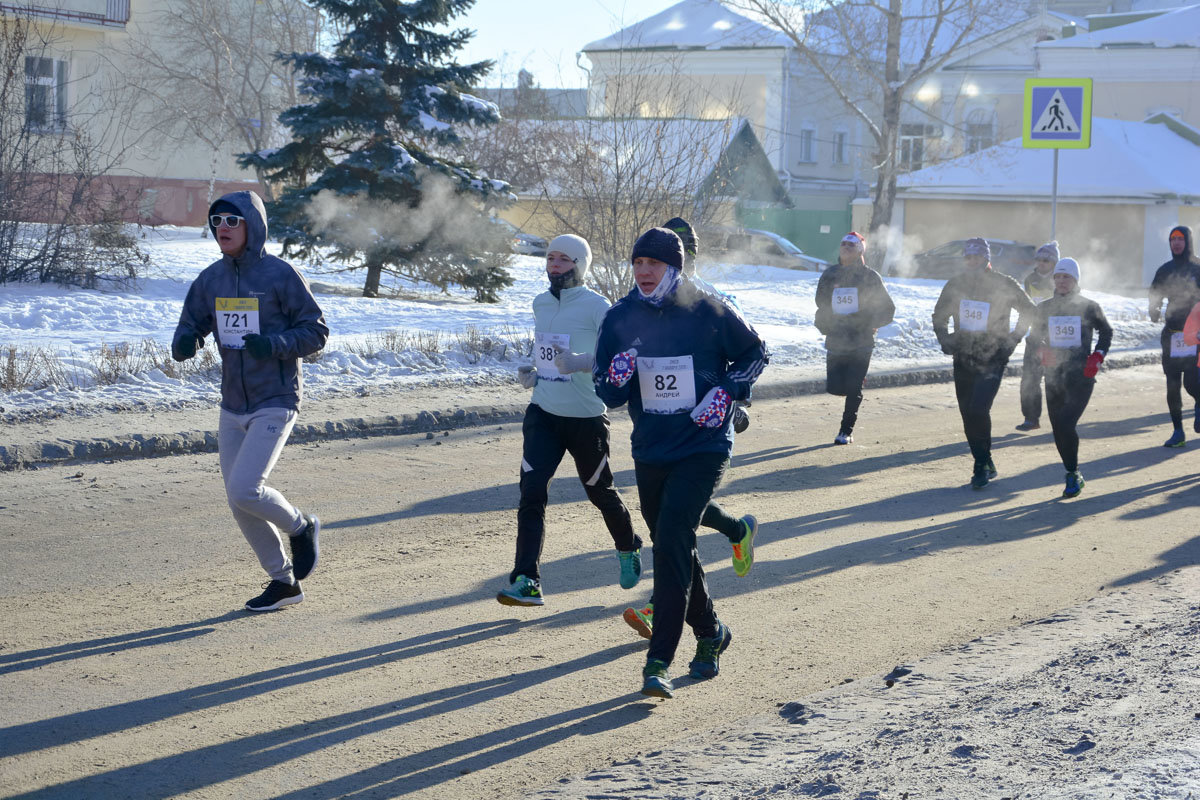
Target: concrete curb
x=66 y=451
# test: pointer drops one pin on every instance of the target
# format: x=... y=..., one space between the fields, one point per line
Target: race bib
x=845 y=301
x=543 y=355
x=668 y=384
x=236 y=317
x=1179 y=349
x=973 y=315
x=1065 y=331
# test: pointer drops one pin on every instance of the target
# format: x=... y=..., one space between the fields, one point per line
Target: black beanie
x=686 y=233
x=660 y=244
x=222 y=207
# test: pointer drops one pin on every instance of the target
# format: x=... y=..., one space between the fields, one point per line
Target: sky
x=543 y=36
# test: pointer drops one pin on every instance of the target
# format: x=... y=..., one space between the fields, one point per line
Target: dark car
x=946 y=260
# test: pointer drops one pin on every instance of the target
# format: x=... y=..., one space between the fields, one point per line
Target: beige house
x=1117 y=201
x=77 y=83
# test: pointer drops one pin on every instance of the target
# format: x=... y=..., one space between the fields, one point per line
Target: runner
x=980 y=301
x=1178 y=282
x=565 y=416
x=264 y=319
x=739 y=531
x=852 y=304
x=1062 y=336
x=679 y=356
x=1039 y=285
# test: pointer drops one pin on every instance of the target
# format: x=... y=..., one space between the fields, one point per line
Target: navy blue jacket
x=726 y=351
x=288 y=315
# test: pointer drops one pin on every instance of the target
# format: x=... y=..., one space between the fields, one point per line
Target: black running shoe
x=277 y=594
x=306 y=550
x=741 y=419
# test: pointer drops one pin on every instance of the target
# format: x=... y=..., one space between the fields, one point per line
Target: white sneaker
x=843 y=438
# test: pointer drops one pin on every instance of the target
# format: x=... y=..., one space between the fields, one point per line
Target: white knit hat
x=574 y=247
x=1067 y=266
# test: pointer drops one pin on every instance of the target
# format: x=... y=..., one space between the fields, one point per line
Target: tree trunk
x=371 y=287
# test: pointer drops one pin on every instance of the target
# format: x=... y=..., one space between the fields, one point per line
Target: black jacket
x=855 y=330
x=1066 y=311
x=995 y=342
x=1178 y=282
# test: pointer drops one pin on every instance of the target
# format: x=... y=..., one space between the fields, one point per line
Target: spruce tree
x=369 y=177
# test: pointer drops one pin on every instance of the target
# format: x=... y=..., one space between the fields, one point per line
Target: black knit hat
x=683 y=229
x=660 y=244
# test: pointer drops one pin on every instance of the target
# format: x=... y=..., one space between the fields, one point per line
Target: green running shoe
x=707 y=662
x=743 y=549
x=1074 y=484
x=631 y=567
x=991 y=470
x=523 y=592
x=641 y=620
x=979 y=478
x=655 y=682
x=1177 y=439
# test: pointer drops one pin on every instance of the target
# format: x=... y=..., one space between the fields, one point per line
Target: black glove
x=187 y=346
x=1155 y=315
x=947 y=343
x=258 y=345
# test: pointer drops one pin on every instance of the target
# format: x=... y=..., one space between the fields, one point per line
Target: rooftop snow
x=693 y=24
x=1178 y=28
x=1126 y=159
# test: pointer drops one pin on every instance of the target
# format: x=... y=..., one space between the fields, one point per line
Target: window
x=980 y=131
x=808 y=146
x=839 y=147
x=45 y=94
x=912 y=145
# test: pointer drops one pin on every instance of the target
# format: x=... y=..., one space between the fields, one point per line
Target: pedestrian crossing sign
x=1058 y=113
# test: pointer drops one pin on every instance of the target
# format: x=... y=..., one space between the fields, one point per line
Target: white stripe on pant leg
x=525 y=466
x=599 y=469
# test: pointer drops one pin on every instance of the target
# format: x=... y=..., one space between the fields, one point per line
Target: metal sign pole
x=1054 y=199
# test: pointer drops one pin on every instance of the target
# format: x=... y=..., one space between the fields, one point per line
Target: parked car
x=521 y=243
x=946 y=260
x=750 y=246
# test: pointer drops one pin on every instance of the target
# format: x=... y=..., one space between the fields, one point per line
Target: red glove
x=1046 y=356
x=1093 y=365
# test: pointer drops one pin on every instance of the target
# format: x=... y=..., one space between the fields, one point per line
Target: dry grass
x=36 y=368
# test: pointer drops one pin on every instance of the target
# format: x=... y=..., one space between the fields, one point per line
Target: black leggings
x=1066 y=398
x=845 y=374
x=547 y=438
x=1181 y=372
x=976 y=386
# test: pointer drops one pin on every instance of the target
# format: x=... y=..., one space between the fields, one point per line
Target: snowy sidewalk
x=129 y=433
x=1099 y=700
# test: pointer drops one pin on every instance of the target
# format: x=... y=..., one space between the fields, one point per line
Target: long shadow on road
x=179 y=773
x=33 y=736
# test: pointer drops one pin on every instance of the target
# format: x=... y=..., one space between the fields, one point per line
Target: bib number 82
x=664 y=383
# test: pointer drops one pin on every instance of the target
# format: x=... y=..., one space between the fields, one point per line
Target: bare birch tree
x=875 y=55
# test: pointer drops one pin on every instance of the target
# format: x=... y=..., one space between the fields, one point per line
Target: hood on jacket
x=250 y=206
x=1188 y=249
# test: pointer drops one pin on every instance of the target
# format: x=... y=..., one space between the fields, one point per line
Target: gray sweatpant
x=249 y=446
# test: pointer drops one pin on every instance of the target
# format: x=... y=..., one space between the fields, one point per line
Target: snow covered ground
x=75 y=324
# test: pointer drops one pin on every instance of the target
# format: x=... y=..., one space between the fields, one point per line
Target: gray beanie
x=1049 y=250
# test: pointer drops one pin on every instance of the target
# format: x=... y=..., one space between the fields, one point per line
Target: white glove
x=527 y=375
x=567 y=362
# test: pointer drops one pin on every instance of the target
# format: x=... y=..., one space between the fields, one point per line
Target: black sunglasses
x=231 y=220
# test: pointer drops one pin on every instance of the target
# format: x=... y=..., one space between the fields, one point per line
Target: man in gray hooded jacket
x=264 y=319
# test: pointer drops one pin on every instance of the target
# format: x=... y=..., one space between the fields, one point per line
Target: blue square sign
x=1058 y=112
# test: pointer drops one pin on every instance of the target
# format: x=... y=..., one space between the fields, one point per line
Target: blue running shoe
x=1074 y=484
x=631 y=567
x=523 y=592
x=1177 y=439
x=707 y=662
x=655 y=682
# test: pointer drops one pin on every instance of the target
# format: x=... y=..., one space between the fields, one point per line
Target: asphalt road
x=126 y=668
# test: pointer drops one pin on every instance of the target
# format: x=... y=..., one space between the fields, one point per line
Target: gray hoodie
x=286 y=310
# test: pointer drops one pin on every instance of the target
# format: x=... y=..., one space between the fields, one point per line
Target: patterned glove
x=527 y=375
x=710 y=412
x=1093 y=365
x=621 y=368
